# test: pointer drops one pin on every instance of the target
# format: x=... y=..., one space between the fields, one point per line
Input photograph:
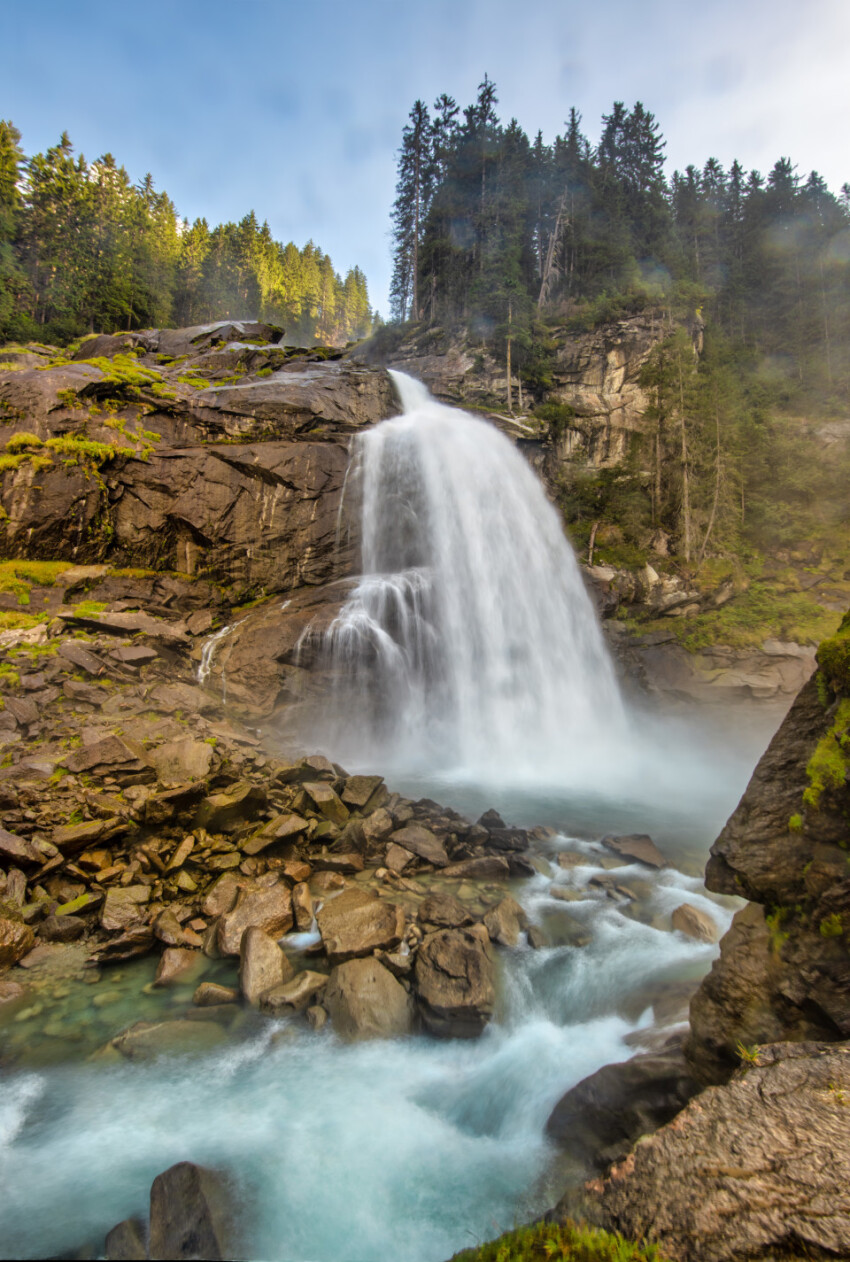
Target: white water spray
x=469 y=641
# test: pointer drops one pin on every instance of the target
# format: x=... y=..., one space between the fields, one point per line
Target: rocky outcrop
x=215 y=455
x=784 y=967
x=759 y=1168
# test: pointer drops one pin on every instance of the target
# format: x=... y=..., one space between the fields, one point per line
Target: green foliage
x=560 y=1242
x=756 y=613
x=82 y=450
x=9 y=676
x=795 y=824
x=834 y=658
x=23 y=439
x=831 y=926
x=828 y=765
x=197 y=383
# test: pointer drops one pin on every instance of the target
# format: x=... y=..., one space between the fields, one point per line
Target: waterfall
x=469 y=641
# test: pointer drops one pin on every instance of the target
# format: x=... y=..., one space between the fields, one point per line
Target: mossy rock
x=560 y=1242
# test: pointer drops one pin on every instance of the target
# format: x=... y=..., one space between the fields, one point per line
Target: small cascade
x=208 y=653
x=469 y=641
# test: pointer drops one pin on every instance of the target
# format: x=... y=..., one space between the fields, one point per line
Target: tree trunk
x=510 y=397
x=716 y=498
x=591 y=546
x=686 y=488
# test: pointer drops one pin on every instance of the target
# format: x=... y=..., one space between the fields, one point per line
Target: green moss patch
x=560 y=1242
x=834 y=658
x=828 y=765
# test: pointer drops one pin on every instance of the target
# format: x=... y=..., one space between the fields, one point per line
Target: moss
x=795 y=824
x=82 y=450
x=9 y=675
x=86 y=608
x=11 y=621
x=22 y=440
x=197 y=383
x=774 y=921
x=560 y=1242
x=263 y=372
x=829 y=765
x=831 y=926
x=834 y=658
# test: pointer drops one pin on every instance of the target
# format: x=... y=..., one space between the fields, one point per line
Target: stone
x=326 y=801
x=298 y=993
x=636 y=846
x=444 y=911
x=168 y=929
x=71 y=838
x=123 y=906
x=224 y=812
x=16 y=939
x=422 y=842
x=455 y=984
x=176 y=964
x=137 y=940
x=599 y=1119
x=181 y=854
x=111 y=754
x=694 y=923
x=180 y=762
x=14 y=849
x=266 y=909
x=221 y=896
x=758 y=1168
x=126 y=1242
x=324 y=883
x=61 y=928
x=348 y=864
x=359 y=790
x=134 y=654
x=190 y=1214
x=302 y=906
x=316 y=1017
x=79 y=656
x=505 y=921
x=489 y=868
x=365 y=1001
x=262 y=964
x=147 y=1040
x=377 y=827
x=571 y=859
x=23 y=709
x=10 y=990
x=211 y=994
x=280 y=828
x=397 y=858
x=355 y=923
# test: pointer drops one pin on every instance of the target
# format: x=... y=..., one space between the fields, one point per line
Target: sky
x=295 y=109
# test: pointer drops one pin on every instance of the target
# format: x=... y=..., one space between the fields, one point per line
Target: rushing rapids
x=469 y=640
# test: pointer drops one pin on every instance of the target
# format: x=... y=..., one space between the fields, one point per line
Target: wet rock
x=61 y=928
x=224 y=812
x=488 y=868
x=455 y=984
x=211 y=995
x=355 y=923
x=316 y=1017
x=123 y=906
x=694 y=923
x=127 y=1242
x=302 y=906
x=505 y=921
x=598 y=1120
x=146 y=1040
x=266 y=909
x=397 y=858
x=16 y=939
x=191 y=1215
x=364 y=1001
x=106 y=756
x=15 y=849
x=294 y=995
x=637 y=846
x=377 y=827
x=262 y=964
x=70 y=838
x=347 y=864
x=422 y=842
x=176 y=964
x=362 y=792
x=137 y=940
x=167 y=928
x=326 y=801
x=281 y=828
x=222 y=895
x=755 y=1169
x=10 y=991
x=444 y=911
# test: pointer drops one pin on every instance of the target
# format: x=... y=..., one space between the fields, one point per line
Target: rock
x=167 y=928
x=444 y=911
x=364 y=1001
x=488 y=868
x=302 y=906
x=137 y=940
x=211 y=994
x=175 y=965
x=181 y=854
x=694 y=923
x=224 y=812
x=280 y=828
x=70 y=838
x=491 y=819
x=348 y=864
x=10 y=990
x=222 y=895
x=262 y=964
x=377 y=827
x=15 y=849
x=106 y=756
x=598 y=1120
x=123 y=907
x=355 y=923
x=637 y=846
x=146 y=1040
x=190 y=1214
x=359 y=791
x=132 y=654
x=180 y=762
x=455 y=984
x=297 y=993
x=126 y=1242
x=61 y=928
x=75 y=653
x=316 y=1017
x=571 y=859
x=16 y=939
x=326 y=802
x=505 y=921
x=266 y=909
x=755 y=1169
x=397 y=858
x=422 y=842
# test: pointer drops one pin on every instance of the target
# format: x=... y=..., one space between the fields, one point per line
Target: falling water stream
x=469 y=667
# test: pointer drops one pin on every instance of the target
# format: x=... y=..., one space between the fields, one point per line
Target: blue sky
x=295 y=109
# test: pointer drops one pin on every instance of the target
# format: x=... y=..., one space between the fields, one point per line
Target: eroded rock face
x=757 y=1168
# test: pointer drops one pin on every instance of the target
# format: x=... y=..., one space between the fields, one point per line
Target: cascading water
x=469 y=640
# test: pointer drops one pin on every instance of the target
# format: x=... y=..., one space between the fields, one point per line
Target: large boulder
x=262 y=964
x=365 y=1001
x=191 y=1215
x=16 y=939
x=267 y=909
x=759 y=1168
x=455 y=983
x=356 y=923
x=422 y=842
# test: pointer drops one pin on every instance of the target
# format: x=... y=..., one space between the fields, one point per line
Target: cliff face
x=210 y=451
x=784 y=967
